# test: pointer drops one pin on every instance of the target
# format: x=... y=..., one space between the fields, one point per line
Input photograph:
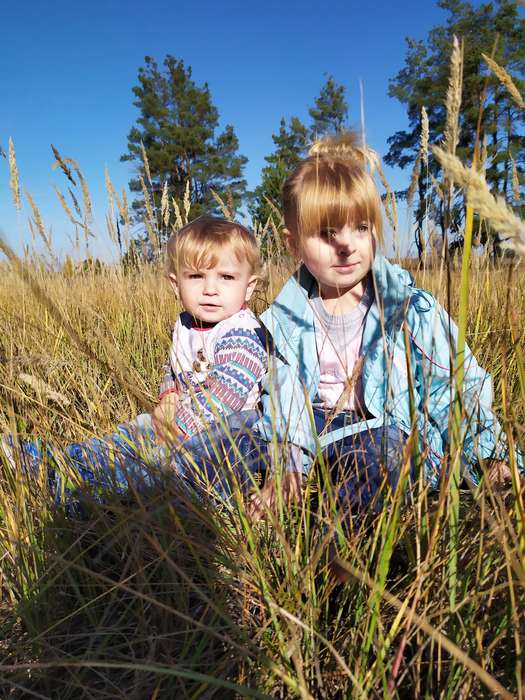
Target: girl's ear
x=250 y=288
x=173 y=281
x=290 y=241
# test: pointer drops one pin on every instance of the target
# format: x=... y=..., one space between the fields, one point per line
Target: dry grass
x=149 y=597
x=171 y=596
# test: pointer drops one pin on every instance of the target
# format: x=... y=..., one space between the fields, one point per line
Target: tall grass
x=177 y=596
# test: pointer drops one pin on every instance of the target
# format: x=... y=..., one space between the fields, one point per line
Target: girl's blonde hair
x=332 y=187
x=199 y=244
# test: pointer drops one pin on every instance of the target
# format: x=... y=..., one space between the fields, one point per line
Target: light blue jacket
x=293 y=379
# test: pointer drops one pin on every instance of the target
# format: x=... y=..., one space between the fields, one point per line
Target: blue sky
x=68 y=69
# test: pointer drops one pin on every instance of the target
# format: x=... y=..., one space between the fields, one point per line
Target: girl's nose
x=345 y=241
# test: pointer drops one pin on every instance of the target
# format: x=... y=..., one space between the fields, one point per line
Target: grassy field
x=178 y=597
x=170 y=597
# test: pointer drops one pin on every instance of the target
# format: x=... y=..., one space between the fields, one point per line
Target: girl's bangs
x=335 y=200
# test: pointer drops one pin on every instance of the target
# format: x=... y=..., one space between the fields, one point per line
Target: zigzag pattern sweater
x=215 y=369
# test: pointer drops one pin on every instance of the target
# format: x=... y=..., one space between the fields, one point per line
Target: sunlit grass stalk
x=456 y=443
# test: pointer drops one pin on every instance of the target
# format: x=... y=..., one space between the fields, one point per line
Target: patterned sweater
x=214 y=370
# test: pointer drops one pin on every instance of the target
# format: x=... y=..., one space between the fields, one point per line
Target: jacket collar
x=392 y=287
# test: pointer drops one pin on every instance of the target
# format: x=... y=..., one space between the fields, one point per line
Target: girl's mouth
x=345 y=266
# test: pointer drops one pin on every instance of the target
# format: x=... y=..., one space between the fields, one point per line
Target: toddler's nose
x=210 y=287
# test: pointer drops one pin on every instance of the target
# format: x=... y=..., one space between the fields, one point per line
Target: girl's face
x=339 y=259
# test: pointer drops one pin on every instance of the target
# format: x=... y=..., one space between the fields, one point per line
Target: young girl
x=343 y=328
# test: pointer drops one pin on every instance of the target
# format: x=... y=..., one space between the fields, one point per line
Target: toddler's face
x=339 y=259
x=216 y=293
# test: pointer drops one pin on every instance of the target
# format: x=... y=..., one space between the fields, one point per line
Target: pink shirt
x=339 y=339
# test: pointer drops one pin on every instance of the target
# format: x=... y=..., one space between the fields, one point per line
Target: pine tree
x=177 y=128
x=290 y=147
x=330 y=111
x=329 y=116
x=491 y=28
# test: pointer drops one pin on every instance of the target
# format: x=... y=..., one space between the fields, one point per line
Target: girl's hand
x=498 y=472
x=163 y=417
x=265 y=501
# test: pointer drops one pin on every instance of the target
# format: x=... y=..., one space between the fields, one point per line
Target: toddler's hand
x=163 y=417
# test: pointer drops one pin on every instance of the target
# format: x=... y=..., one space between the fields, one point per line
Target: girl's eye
x=195 y=275
x=363 y=228
x=328 y=233
x=228 y=277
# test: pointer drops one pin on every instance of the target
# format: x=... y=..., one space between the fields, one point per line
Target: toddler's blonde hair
x=333 y=187
x=199 y=244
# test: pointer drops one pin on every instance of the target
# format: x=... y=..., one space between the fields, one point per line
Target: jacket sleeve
x=286 y=391
x=481 y=433
x=240 y=361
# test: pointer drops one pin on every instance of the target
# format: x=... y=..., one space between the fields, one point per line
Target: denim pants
x=226 y=457
x=362 y=464
x=130 y=459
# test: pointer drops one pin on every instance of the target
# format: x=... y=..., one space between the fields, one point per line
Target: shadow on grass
x=134 y=601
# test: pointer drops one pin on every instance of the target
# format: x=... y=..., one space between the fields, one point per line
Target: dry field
x=173 y=598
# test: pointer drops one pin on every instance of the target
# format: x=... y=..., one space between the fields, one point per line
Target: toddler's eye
x=228 y=277
x=195 y=275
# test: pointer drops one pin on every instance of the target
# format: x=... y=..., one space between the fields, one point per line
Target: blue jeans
x=362 y=464
x=130 y=459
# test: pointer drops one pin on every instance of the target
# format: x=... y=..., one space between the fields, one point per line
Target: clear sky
x=68 y=69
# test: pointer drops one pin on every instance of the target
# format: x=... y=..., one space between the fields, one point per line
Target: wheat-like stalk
x=37 y=218
x=146 y=163
x=222 y=205
x=65 y=206
x=43 y=389
x=150 y=217
x=453 y=102
x=424 y=136
x=165 y=206
x=14 y=181
x=86 y=200
x=506 y=80
x=62 y=163
x=437 y=187
x=109 y=188
x=75 y=202
x=187 y=202
x=515 y=181
x=413 y=181
x=178 y=217
x=124 y=208
x=110 y=226
x=230 y=202
x=147 y=200
x=480 y=198
x=388 y=205
x=484 y=155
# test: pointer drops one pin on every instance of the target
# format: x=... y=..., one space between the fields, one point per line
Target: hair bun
x=344 y=146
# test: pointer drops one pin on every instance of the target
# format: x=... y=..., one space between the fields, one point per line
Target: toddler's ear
x=173 y=281
x=290 y=241
x=250 y=288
